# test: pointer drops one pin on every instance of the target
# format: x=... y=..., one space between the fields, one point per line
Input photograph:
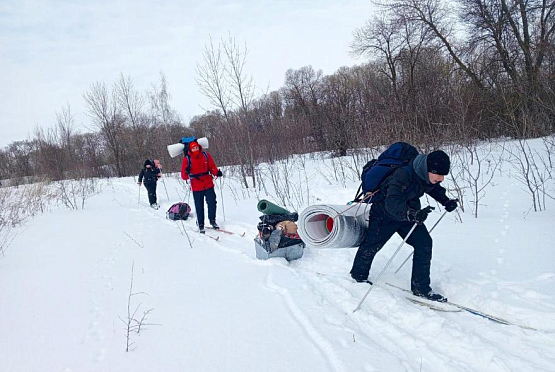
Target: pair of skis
x=452 y=307
x=224 y=231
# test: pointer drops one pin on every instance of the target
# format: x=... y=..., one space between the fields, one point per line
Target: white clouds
x=53 y=50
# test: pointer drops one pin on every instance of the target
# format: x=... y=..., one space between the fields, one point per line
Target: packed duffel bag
x=178 y=211
x=290 y=253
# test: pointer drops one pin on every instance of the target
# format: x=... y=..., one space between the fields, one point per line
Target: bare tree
x=532 y=171
x=380 y=37
x=66 y=131
x=74 y=193
x=514 y=36
x=477 y=171
x=211 y=79
x=105 y=112
x=222 y=80
x=133 y=323
x=242 y=88
x=131 y=104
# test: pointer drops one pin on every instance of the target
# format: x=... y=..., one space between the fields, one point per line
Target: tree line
x=437 y=72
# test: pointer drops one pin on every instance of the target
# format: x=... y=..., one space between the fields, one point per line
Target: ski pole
x=139 y=201
x=164 y=183
x=222 y=197
x=189 y=191
x=411 y=253
x=385 y=267
x=159 y=166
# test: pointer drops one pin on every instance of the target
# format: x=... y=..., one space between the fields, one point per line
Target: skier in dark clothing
x=199 y=167
x=151 y=174
x=398 y=210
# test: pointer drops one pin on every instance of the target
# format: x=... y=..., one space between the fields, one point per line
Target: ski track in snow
x=448 y=327
x=303 y=320
x=102 y=274
x=505 y=214
x=300 y=317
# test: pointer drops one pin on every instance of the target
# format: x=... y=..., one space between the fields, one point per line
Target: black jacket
x=150 y=175
x=404 y=187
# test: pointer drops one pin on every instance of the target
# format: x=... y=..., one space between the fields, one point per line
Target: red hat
x=194 y=147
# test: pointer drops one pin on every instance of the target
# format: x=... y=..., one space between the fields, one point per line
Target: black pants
x=380 y=230
x=199 y=196
x=151 y=188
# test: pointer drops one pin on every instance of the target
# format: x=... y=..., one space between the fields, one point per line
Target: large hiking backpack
x=398 y=155
x=186 y=141
x=178 y=211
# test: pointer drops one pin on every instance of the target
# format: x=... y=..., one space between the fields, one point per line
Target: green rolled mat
x=267 y=207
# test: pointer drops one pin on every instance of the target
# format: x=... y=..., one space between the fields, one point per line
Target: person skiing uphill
x=151 y=174
x=199 y=167
x=398 y=209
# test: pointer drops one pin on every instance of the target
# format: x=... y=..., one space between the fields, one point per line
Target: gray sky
x=52 y=51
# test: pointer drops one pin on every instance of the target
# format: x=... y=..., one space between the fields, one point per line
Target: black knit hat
x=438 y=162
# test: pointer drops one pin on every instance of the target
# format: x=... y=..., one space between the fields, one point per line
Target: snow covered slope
x=65 y=284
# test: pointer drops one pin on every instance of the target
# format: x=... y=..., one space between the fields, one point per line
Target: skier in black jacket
x=398 y=210
x=150 y=173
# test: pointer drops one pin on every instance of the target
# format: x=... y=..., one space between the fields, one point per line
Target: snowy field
x=212 y=306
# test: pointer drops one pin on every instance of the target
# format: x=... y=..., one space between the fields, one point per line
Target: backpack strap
x=188 y=169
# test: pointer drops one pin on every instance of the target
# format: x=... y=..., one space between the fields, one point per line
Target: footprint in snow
x=101 y=355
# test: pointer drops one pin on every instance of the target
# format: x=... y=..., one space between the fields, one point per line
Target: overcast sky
x=52 y=51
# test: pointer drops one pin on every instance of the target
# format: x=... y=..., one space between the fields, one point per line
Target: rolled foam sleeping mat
x=333 y=226
x=175 y=149
x=203 y=142
x=267 y=207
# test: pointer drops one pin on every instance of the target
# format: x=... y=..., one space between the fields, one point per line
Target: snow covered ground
x=65 y=284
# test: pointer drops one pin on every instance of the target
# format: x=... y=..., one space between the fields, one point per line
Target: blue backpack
x=398 y=155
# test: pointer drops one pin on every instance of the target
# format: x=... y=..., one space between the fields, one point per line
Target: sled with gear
x=178 y=211
x=398 y=155
x=278 y=237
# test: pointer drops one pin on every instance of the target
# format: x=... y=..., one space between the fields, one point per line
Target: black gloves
x=419 y=216
x=451 y=205
x=219 y=174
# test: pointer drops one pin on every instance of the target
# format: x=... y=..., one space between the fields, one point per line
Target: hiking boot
x=201 y=229
x=431 y=295
x=214 y=225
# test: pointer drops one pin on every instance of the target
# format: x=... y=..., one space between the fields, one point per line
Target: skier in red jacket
x=199 y=167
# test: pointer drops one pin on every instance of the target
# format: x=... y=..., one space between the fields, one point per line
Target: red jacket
x=199 y=164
